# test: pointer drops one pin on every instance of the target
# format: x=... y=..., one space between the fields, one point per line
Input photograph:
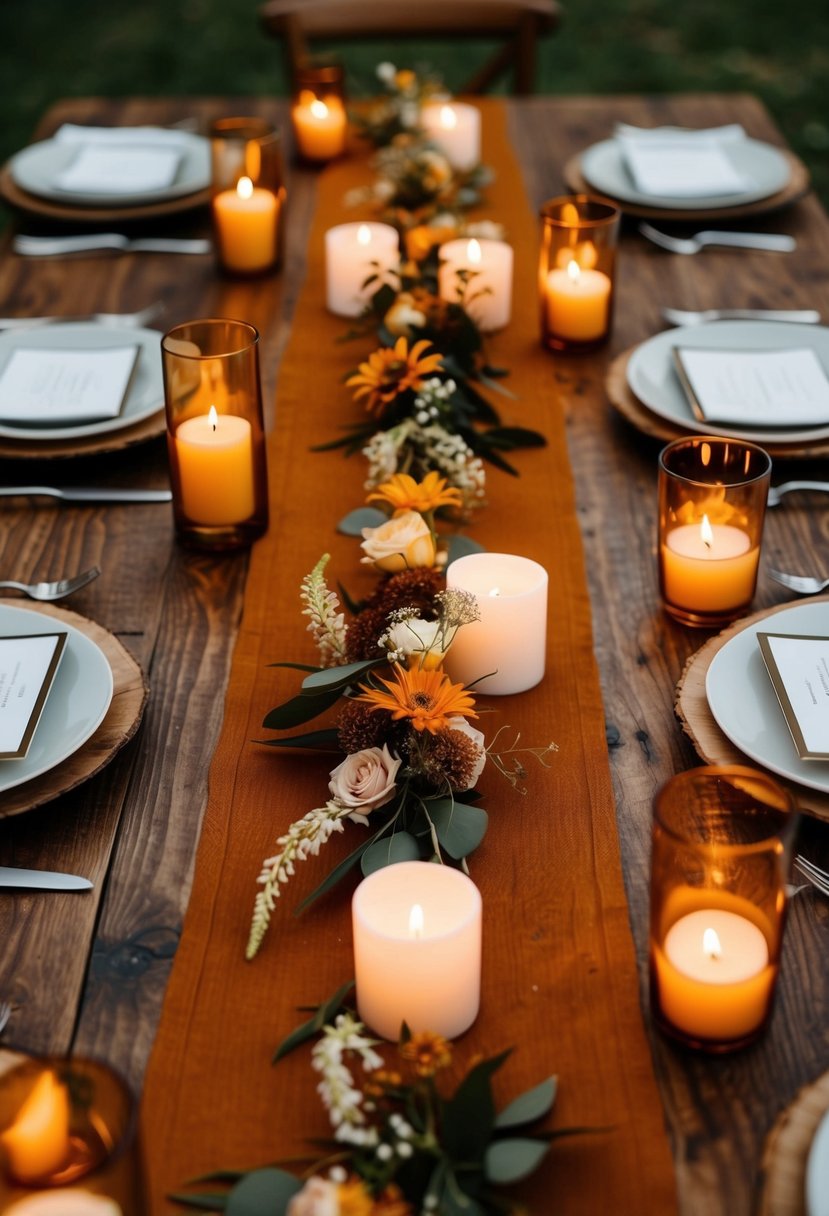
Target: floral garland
x=410 y=757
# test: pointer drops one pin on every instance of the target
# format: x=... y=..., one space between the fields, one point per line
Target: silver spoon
x=56 y=590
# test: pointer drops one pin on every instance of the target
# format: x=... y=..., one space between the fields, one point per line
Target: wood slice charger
x=786 y=1153
x=130 y=692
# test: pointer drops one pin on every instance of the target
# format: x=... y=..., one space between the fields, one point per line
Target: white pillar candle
x=417 y=949
x=353 y=252
x=488 y=290
x=455 y=129
x=67 y=1201
x=508 y=645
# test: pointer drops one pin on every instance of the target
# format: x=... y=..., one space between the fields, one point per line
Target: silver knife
x=81 y=494
x=46 y=880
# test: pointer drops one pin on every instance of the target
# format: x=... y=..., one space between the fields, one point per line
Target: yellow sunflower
x=428 y=698
x=390 y=371
x=428 y=1052
x=403 y=493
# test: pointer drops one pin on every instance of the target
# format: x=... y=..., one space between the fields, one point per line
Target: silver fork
x=55 y=246
x=776 y=492
x=771 y=242
x=5 y=1014
x=801 y=583
x=682 y=316
x=817 y=877
x=129 y=319
x=56 y=590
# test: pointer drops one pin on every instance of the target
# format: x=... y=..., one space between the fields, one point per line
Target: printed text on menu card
x=27 y=669
x=799 y=670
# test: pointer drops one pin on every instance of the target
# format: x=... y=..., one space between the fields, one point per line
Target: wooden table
x=89 y=975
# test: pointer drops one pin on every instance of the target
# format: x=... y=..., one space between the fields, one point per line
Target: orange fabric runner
x=559 y=980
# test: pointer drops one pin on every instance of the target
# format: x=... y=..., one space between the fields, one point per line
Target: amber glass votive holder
x=249 y=195
x=722 y=843
x=712 y=504
x=318 y=114
x=576 y=272
x=68 y=1140
x=215 y=433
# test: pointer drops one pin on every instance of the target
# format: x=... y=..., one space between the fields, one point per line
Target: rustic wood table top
x=88 y=975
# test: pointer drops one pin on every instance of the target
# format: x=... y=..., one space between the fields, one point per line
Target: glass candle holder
x=318 y=114
x=722 y=841
x=68 y=1141
x=712 y=503
x=215 y=433
x=249 y=195
x=576 y=272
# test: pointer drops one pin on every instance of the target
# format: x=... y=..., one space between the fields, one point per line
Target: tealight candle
x=417 y=949
x=508 y=644
x=215 y=468
x=487 y=289
x=246 y=226
x=578 y=302
x=319 y=126
x=37 y=1143
x=455 y=130
x=712 y=497
x=353 y=253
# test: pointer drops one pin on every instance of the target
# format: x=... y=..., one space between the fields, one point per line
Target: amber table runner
x=559 y=975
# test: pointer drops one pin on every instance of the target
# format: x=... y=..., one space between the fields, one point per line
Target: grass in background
x=60 y=48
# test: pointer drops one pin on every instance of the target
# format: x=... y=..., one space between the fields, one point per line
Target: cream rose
x=365 y=780
x=477 y=737
x=401 y=543
x=421 y=642
x=402 y=318
x=317 y=1198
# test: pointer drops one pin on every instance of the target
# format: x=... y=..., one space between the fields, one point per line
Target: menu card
x=783 y=388
x=39 y=386
x=27 y=669
x=799 y=671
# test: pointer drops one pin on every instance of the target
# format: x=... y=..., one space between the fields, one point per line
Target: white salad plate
x=145 y=395
x=603 y=167
x=745 y=706
x=652 y=375
x=77 y=702
x=36 y=168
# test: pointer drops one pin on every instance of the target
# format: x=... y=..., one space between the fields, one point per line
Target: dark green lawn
x=55 y=48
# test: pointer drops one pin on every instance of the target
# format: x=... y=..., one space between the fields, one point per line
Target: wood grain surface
x=89 y=975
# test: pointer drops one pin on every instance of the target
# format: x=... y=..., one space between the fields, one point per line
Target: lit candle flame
x=473 y=251
x=364 y=235
x=416 y=922
x=448 y=118
x=711 y=944
x=244 y=187
x=706 y=532
x=573 y=271
x=495 y=592
x=319 y=109
x=213 y=418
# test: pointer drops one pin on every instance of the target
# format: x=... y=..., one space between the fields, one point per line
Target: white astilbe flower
x=304 y=838
x=342 y=1099
x=418 y=448
x=327 y=623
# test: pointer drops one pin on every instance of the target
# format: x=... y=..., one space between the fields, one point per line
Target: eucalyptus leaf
x=324 y=1013
x=519 y=437
x=296 y=666
x=469 y=1116
x=512 y=1160
x=460 y=546
x=453 y=1200
x=460 y=827
x=337 y=874
x=399 y=847
x=533 y=1104
x=208 y=1201
x=336 y=677
x=320 y=740
x=263 y=1193
x=363 y=517
x=300 y=709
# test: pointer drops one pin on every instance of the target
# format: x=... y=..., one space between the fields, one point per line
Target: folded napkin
x=679 y=163
x=120 y=160
x=43 y=386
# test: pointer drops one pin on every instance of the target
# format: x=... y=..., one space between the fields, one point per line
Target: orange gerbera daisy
x=428 y=698
x=403 y=493
x=427 y=1051
x=391 y=371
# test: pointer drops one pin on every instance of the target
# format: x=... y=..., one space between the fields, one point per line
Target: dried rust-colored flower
x=447 y=758
x=359 y=728
x=428 y=1051
x=427 y=699
x=414 y=589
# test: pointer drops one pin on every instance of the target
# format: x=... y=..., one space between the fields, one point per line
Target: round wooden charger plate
x=61 y=449
x=47 y=209
x=122 y=719
x=794 y=189
x=630 y=407
x=787 y=1152
x=691 y=706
